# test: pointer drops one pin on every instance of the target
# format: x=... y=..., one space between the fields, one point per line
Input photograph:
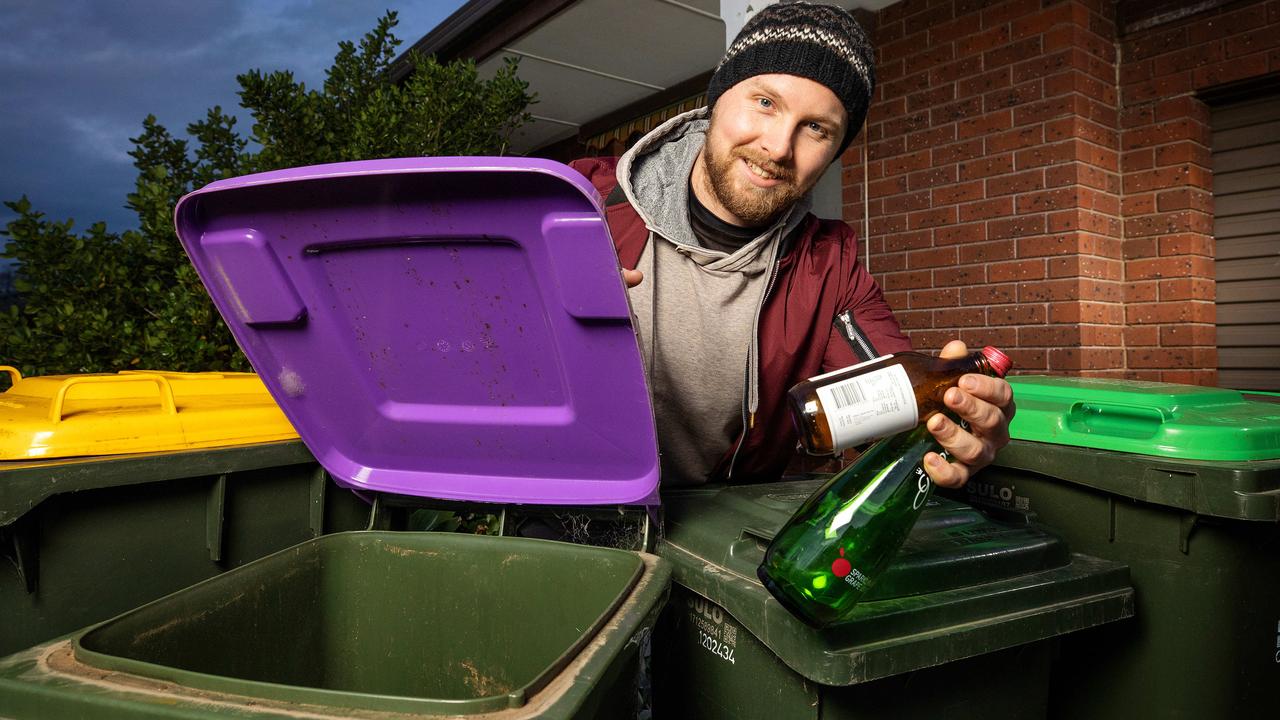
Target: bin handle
x=14 y=374
x=1117 y=419
x=167 y=405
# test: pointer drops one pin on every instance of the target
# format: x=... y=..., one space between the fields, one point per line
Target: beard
x=753 y=205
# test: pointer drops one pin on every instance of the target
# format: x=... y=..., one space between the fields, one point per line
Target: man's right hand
x=631 y=278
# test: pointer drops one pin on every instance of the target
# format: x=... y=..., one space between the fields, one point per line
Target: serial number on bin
x=717 y=648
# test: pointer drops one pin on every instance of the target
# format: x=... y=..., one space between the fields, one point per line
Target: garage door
x=1246 y=190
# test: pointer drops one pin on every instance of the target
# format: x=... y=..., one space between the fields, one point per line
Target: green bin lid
x=961 y=586
x=1145 y=418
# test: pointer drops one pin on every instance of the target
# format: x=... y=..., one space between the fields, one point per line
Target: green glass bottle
x=826 y=557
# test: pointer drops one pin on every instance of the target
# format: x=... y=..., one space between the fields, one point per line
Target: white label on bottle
x=868 y=406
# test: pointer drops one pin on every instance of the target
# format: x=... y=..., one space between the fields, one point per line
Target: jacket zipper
x=749 y=418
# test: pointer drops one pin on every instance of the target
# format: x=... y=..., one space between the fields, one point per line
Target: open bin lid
x=443 y=327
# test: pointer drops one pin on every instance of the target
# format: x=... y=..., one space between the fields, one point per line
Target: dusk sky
x=77 y=77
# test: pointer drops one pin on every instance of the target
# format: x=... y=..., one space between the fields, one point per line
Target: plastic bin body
x=89 y=538
x=1201 y=538
x=962 y=625
x=367 y=623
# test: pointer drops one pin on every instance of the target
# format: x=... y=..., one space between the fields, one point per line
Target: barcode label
x=869 y=406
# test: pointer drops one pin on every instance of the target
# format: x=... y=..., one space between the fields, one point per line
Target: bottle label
x=879 y=403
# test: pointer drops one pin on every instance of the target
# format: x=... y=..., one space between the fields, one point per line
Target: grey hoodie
x=697 y=309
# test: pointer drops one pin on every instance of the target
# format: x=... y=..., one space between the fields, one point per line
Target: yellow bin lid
x=134 y=411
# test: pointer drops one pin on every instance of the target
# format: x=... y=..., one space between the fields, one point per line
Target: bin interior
x=384 y=621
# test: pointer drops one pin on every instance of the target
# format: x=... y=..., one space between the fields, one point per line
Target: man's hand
x=986 y=404
x=631 y=278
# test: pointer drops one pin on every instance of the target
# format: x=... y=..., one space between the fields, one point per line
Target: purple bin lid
x=439 y=327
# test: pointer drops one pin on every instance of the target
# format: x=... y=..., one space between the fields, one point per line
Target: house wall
x=1037 y=182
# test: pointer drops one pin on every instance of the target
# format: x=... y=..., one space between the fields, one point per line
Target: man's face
x=771 y=138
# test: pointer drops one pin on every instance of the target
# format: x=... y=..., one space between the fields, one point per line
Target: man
x=738 y=291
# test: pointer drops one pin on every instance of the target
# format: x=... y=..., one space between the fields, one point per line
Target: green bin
x=88 y=538
x=368 y=624
x=1182 y=484
x=962 y=625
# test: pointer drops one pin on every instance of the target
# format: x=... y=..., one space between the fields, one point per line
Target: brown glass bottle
x=888 y=395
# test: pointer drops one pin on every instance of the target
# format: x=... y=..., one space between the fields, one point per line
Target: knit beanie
x=820 y=42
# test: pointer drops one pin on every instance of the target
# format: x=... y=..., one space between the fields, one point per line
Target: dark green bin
x=368 y=624
x=88 y=538
x=961 y=626
x=1182 y=484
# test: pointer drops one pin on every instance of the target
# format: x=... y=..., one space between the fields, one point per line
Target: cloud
x=102 y=138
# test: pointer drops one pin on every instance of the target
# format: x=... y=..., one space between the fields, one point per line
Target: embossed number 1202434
x=716 y=647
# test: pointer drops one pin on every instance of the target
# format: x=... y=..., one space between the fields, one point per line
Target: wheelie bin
x=117 y=489
x=1182 y=484
x=441 y=332
x=963 y=624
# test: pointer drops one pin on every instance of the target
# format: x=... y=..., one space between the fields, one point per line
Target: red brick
x=987 y=252
x=963 y=192
x=1065 y=12
x=887 y=148
x=1169 y=267
x=1013 y=96
x=985 y=125
x=1022 y=182
x=903 y=164
x=984 y=83
x=1227 y=24
x=956 y=111
x=1016 y=315
x=1077 y=359
x=962 y=275
x=1230 y=70
x=886 y=224
x=912 y=240
x=1142 y=335
x=931 y=138
x=1005 y=337
x=931 y=258
x=1183 y=152
x=1185 y=199
x=1011 y=53
x=1183 y=106
x=968 y=233
x=989 y=294
x=1049 y=336
x=931 y=178
x=1136 y=116
x=1046 y=64
x=1165 y=133
x=1029 y=360
x=966 y=150
x=1084 y=220
x=982 y=42
x=960 y=317
x=1042 y=155
x=986 y=167
x=1161 y=358
x=905 y=202
x=905 y=86
x=1017 y=270
x=930 y=98
x=911 y=319
x=1090 y=199
x=1015 y=139
x=950 y=31
x=925 y=19
x=881 y=188
x=1049 y=290
x=928 y=59
x=1139 y=204
x=1190 y=334
x=945 y=297
x=1164 y=313
x=888 y=32
x=1086 y=312
x=998 y=207
x=1136 y=71
x=1186 y=244
x=931 y=218
x=1048 y=109
x=1102 y=335
x=1086 y=266
x=1050 y=245
x=999 y=14
x=1187 y=59
x=1048 y=200
x=1020 y=226
x=1140 y=248
x=1145 y=45
x=1160 y=87
x=908 y=280
x=1187 y=289
x=1167 y=177
x=1186 y=221
x=1134 y=160
x=1078 y=127
x=882 y=110
x=1070 y=36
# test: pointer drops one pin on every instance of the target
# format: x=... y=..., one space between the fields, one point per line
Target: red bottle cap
x=999 y=362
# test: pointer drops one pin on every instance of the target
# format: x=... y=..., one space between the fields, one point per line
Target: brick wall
x=1036 y=183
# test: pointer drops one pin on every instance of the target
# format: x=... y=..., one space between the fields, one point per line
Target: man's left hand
x=985 y=403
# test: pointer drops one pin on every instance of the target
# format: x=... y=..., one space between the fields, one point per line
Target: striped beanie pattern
x=820 y=42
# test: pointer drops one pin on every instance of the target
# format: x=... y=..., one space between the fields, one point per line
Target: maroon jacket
x=821 y=310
